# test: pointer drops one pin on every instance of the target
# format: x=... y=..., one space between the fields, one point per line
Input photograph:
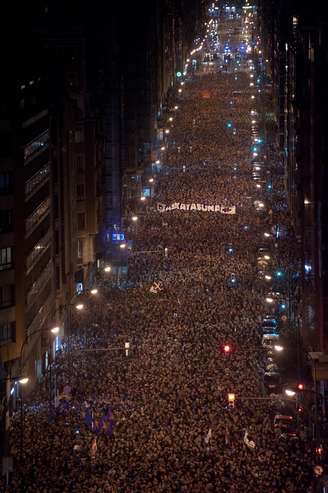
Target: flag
x=88 y=418
x=93 y=448
x=250 y=444
x=155 y=288
x=208 y=436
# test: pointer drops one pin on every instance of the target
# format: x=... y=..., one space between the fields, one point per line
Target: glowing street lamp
x=231 y=399
x=79 y=307
x=123 y=246
x=167 y=131
x=151 y=180
x=290 y=392
x=134 y=218
x=278 y=348
x=269 y=300
x=94 y=291
x=55 y=330
x=143 y=198
x=107 y=268
x=23 y=380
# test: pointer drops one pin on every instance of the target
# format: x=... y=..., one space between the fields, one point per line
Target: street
x=165 y=383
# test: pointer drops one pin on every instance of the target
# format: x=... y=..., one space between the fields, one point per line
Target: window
x=7 y=332
x=36 y=146
x=78 y=136
x=81 y=221
x=80 y=191
x=6 y=183
x=80 y=163
x=7 y=293
x=80 y=248
x=6 y=220
x=6 y=258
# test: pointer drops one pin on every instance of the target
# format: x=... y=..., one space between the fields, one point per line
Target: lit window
x=6 y=258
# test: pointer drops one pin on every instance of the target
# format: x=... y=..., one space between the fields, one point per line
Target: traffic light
x=300 y=386
x=227 y=349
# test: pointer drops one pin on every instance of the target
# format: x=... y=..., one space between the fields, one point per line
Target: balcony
x=37 y=181
x=37 y=217
x=38 y=250
x=35 y=147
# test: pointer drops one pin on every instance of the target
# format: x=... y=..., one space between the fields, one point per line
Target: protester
x=158 y=420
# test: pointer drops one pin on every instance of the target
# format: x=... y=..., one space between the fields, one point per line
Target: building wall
x=26 y=283
x=301 y=104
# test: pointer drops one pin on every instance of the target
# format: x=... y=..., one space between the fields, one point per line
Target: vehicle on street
x=269 y=340
x=272 y=381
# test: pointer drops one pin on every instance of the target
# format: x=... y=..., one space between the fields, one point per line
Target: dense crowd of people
x=153 y=415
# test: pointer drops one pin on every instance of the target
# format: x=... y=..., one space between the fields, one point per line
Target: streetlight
x=151 y=180
x=278 y=348
x=123 y=246
x=143 y=198
x=290 y=392
x=134 y=218
x=23 y=381
x=79 y=306
x=269 y=300
x=94 y=291
x=55 y=330
x=231 y=399
x=107 y=268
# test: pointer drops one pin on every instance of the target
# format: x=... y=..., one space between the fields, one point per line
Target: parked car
x=285 y=423
x=268 y=320
x=270 y=330
x=269 y=340
x=272 y=381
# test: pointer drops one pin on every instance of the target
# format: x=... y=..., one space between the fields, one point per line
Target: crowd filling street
x=144 y=378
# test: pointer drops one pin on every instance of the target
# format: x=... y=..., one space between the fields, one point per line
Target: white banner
x=196 y=207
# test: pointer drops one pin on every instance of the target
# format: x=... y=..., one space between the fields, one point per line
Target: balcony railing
x=37 y=216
